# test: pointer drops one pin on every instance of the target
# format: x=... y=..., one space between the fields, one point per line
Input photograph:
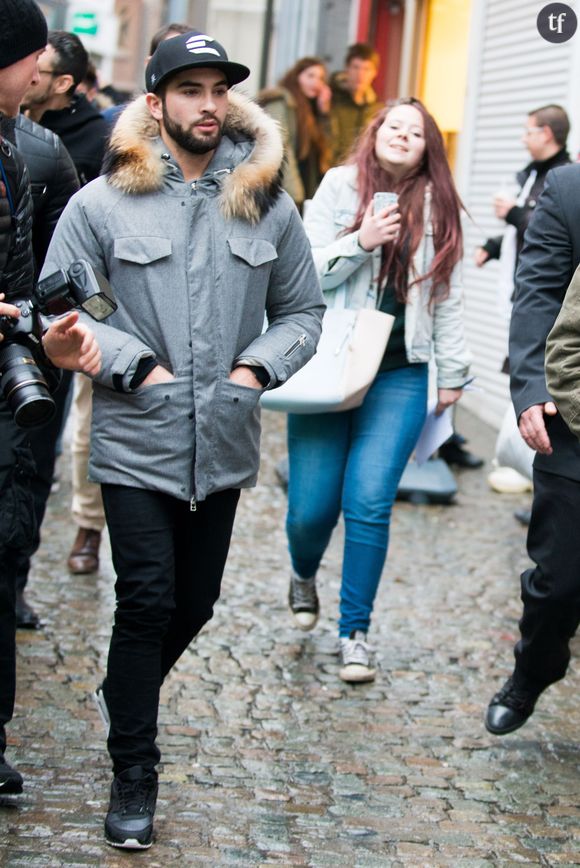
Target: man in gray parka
x=191 y=227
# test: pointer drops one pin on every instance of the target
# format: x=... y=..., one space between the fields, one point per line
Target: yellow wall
x=445 y=61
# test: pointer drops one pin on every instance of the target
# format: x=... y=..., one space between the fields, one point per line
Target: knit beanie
x=23 y=30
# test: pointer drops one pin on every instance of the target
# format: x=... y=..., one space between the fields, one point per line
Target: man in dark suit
x=551 y=590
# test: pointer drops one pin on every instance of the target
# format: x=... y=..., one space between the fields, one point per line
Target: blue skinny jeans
x=353 y=461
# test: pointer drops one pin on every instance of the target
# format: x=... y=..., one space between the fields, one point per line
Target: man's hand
x=71 y=345
x=159 y=374
x=481 y=256
x=7 y=310
x=244 y=376
x=533 y=428
x=502 y=205
x=445 y=398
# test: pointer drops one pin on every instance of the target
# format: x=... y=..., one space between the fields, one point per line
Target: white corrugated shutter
x=517 y=71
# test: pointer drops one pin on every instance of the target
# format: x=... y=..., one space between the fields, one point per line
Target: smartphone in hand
x=383 y=200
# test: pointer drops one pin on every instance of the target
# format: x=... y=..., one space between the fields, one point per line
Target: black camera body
x=25 y=373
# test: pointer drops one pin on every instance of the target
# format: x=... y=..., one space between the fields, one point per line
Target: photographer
x=66 y=344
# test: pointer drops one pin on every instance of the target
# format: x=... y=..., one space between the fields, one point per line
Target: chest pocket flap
x=147 y=248
x=254 y=251
x=343 y=217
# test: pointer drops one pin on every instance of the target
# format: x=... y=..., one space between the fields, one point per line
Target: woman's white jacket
x=342 y=263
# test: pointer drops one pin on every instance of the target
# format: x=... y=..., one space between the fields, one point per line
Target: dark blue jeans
x=169 y=564
x=353 y=461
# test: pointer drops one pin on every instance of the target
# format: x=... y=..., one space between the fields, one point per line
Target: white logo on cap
x=198 y=45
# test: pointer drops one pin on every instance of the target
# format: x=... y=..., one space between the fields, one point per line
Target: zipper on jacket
x=299 y=342
x=193 y=504
x=193 y=184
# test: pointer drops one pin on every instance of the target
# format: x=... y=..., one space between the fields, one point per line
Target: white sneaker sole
x=129 y=844
x=356 y=673
x=305 y=621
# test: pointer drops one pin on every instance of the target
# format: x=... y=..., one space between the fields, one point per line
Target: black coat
x=16 y=276
x=53 y=180
x=84 y=132
x=549 y=258
x=520 y=215
x=16 y=262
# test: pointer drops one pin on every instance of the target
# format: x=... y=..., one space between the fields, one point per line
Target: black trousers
x=550 y=591
x=17 y=528
x=43 y=441
x=169 y=563
x=7 y=641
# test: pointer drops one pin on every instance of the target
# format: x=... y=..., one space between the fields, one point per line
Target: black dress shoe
x=454 y=453
x=10 y=779
x=510 y=708
x=524 y=516
x=26 y=617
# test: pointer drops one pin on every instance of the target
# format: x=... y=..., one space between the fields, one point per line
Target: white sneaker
x=506 y=480
x=356 y=658
x=101 y=704
x=303 y=601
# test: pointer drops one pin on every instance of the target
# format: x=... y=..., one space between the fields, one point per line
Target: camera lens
x=23 y=387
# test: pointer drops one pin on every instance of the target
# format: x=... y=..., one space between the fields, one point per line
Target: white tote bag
x=338 y=376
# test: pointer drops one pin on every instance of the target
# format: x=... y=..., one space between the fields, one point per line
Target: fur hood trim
x=133 y=163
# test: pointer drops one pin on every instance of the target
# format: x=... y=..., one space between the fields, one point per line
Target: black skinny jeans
x=550 y=591
x=169 y=563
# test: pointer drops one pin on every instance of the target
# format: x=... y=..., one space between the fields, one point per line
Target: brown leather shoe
x=84 y=555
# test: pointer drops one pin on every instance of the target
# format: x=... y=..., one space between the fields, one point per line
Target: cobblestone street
x=267 y=757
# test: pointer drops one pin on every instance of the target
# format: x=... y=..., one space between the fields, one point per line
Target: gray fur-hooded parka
x=194 y=267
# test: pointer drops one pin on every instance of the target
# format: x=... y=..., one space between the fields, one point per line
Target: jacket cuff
x=514 y=216
x=126 y=364
x=263 y=372
x=455 y=381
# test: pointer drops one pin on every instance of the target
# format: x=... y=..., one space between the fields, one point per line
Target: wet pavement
x=267 y=757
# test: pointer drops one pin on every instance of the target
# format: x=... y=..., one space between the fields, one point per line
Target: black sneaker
x=303 y=601
x=129 y=820
x=510 y=707
x=10 y=779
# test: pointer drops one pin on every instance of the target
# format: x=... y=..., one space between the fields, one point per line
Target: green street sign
x=85 y=22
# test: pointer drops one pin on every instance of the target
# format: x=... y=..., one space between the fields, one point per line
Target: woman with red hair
x=405 y=259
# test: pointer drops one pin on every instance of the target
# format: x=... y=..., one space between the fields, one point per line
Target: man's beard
x=33 y=100
x=188 y=140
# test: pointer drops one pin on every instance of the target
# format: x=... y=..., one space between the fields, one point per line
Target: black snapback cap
x=190 y=50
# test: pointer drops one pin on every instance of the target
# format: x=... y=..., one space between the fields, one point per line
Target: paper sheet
x=436 y=430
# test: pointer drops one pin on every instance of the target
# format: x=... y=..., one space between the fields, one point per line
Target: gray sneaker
x=100 y=702
x=356 y=658
x=303 y=601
